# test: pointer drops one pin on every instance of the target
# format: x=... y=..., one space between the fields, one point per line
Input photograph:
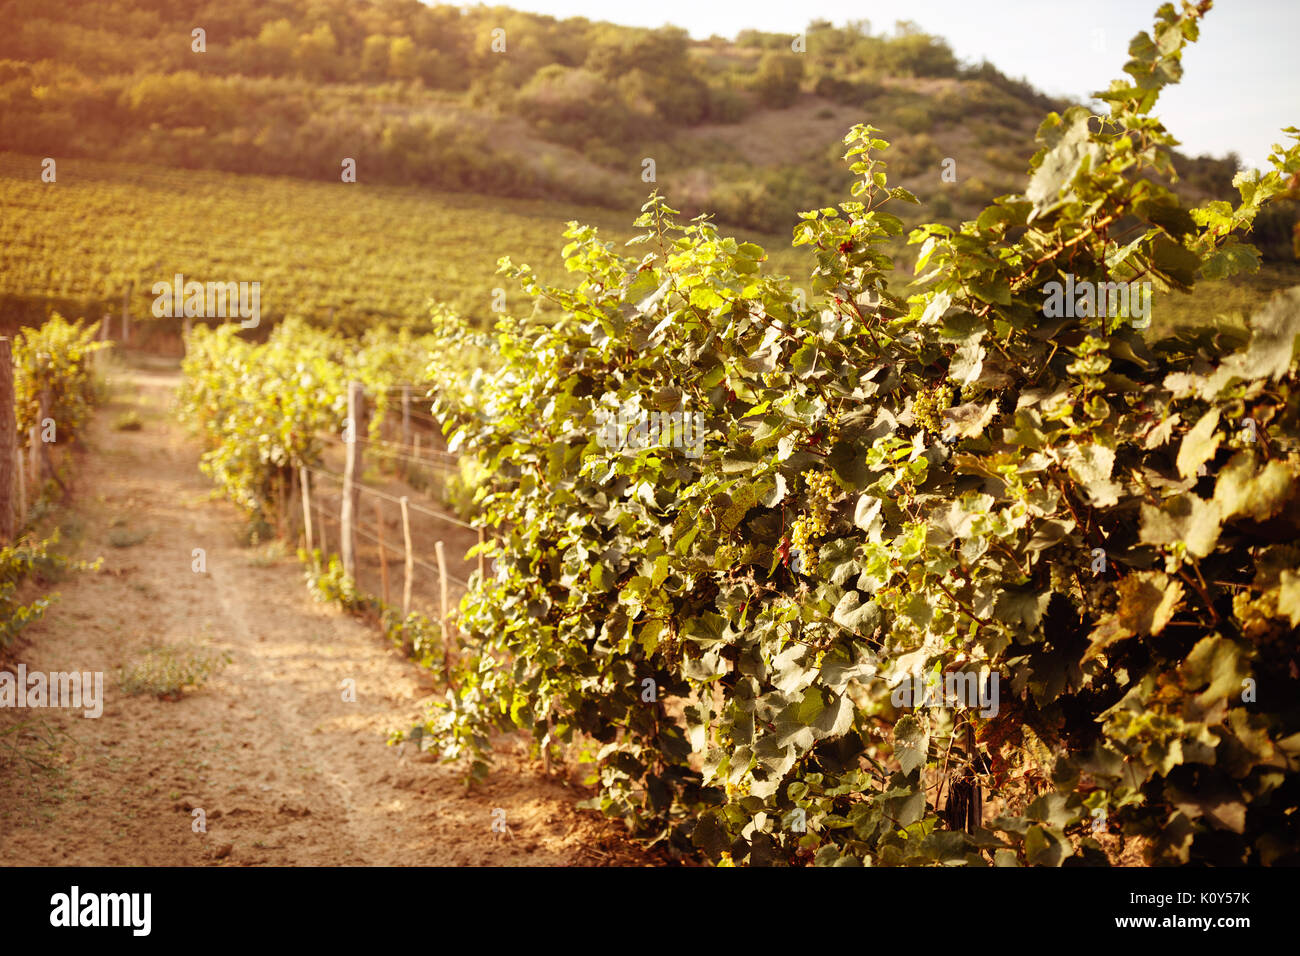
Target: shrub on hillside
x=778 y=79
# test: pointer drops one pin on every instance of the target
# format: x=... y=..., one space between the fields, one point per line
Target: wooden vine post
x=383 y=549
x=351 y=490
x=406 y=417
x=304 y=482
x=8 y=441
x=282 y=506
x=324 y=543
x=47 y=462
x=410 y=556
x=34 y=459
x=96 y=357
x=20 y=479
x=446 y=615
x=126 y=312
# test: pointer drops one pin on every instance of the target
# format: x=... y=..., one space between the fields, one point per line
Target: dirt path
x=286 y=771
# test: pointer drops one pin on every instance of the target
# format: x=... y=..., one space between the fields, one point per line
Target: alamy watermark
x=75 y=908
x=1075 y=299
x=958 y=689
x=209 y=300
x=75 y=689
x=634 y=429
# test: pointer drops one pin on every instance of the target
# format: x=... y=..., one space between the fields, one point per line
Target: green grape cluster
x=832 y=428
x=813 y=524
x=1256 y=615
x=929 y=406
x=1062 y=579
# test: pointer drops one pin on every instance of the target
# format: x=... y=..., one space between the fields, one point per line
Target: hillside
x=469 y=143
x=504 y=103
x=339 y=255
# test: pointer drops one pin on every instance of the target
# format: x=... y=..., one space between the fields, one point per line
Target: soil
x=285 y=770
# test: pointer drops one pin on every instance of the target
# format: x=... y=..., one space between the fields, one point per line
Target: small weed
x=269 y=554
x=126 y=537
x=72 y=529
x=128 y=422
x=31 y=750
x=332 y=586
x=165 y=671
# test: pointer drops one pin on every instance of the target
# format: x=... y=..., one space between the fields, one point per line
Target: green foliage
x=778 y=78
x=166 y=671
x=264 y=409
x=460 y=488
x=34 y=560
x=331 y=585
x=261 y=411
x=128 y=422
x=416 y=635
x=959 y=462
x=54 y=359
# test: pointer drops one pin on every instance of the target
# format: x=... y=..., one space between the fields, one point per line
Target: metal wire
x=383 y=447
x=360 y=528
x=442 y=516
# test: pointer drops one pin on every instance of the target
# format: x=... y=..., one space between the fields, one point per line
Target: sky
x=1241 y=80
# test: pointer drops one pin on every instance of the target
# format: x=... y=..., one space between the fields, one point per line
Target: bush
x=55 y=359
x=726 y=105
x=261 y=410
x=912 y=118
x=1277 y=233
x=415 y=635
x=331 y=585
x=128 y=422
x=848 y=92
x=573 y=105
x=25 y=560
x=778 y=78
x=913 y=53
x=885 y=489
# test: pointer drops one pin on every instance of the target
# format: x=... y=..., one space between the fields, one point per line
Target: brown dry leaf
x=1147 y=601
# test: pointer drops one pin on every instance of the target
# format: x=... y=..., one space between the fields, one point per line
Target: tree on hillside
x=401 y=58
x=317 y=54
x=276 y=43
x=374 y=57
x=778 y=79
x=913 y=52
